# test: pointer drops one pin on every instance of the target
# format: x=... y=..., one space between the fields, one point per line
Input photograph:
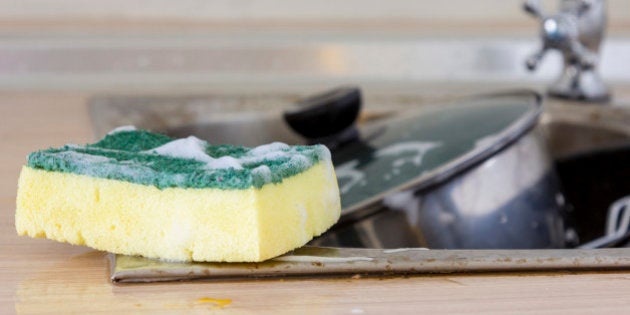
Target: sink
x=590 y=144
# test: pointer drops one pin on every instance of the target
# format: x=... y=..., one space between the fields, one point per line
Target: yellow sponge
x=211 y=223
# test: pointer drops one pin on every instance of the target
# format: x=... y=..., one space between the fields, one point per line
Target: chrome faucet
x=577 y=31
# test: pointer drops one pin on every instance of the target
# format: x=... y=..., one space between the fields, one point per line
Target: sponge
x=141 y=193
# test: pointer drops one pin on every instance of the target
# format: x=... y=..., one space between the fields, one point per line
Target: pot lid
x=429 y=145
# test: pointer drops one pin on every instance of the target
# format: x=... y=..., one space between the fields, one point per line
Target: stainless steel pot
x=500 y=193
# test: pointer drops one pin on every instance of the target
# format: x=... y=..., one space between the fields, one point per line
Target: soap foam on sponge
x=187 y=222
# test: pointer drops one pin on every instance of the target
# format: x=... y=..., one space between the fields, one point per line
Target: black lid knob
x=325 y=114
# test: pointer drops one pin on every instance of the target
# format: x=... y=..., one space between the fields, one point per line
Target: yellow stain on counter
x=220 y=303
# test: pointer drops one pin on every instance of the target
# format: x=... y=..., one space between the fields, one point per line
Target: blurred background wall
x=131 y=14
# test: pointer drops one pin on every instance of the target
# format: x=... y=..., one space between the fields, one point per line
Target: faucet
x=577 y=31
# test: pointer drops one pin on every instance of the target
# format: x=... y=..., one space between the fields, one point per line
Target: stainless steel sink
x=571 y=131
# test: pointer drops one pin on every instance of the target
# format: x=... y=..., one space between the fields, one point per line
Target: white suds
x=256 y=166
x=121 y=129
x=224 y=162
x=417 y=148
x=263 y=172
x=195 y=149
x=300 y=161
x=267 y=148
x=251 y=158
x=83 y=157
x=186 y=148
x=348 y=171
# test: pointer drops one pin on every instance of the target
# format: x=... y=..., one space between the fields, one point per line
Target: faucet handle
x=584 y=56
x=534 y=59
x=533 y=8
x=584 y=6
x=576 y=31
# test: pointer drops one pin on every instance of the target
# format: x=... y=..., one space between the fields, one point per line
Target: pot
x=472 y=174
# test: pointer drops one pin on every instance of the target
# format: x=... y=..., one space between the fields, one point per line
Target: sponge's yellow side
x=176 y=223
x=301 y=207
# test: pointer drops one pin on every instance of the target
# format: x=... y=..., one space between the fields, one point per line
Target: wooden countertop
x=42 y=276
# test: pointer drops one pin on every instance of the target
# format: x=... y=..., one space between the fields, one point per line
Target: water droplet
x=503 y=219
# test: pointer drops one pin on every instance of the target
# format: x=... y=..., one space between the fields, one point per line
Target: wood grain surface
x=44 y=277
